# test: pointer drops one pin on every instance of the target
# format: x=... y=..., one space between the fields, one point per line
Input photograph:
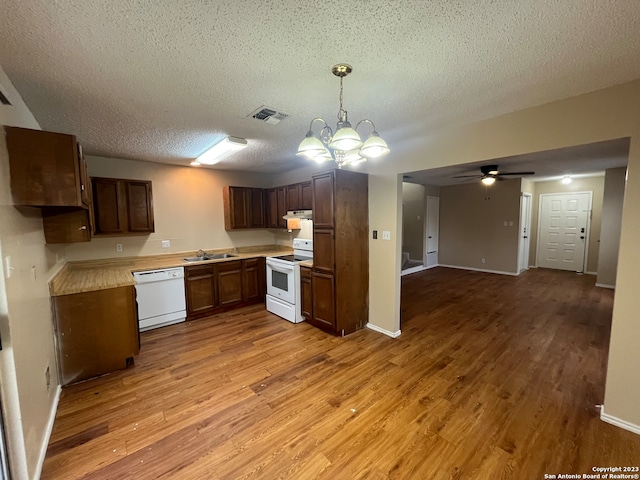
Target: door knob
x=582 y=237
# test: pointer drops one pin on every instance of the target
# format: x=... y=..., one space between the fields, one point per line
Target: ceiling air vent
x=268 y=115
x=3 y=98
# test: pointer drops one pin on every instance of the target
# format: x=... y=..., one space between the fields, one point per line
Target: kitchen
x=94 y=303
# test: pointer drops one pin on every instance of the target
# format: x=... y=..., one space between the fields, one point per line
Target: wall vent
x=268 y=115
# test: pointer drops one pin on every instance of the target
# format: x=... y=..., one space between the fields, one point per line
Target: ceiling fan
x=489 y=174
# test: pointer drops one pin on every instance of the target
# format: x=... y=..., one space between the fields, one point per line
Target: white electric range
x=283 y=281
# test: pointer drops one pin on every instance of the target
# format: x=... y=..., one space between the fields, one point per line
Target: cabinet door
x=253 y=280
x=96 y=332
x=200 y=289
x=109 y=206
x=282 y=206
x=306 y=294
x=229 y=283
x=323 y=295
x=64 y=225
x=85 y=181
x=323 y=251
x=139 y=204
x=306 y=196
x=45 y=169
x=323 y=195
x=272 y=208
x=293 y=197
x=257 y=208
x=236 y=208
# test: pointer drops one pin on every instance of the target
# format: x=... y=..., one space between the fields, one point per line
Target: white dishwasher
x=160 y=296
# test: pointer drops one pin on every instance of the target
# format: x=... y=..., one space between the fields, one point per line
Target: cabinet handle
x=83 y=227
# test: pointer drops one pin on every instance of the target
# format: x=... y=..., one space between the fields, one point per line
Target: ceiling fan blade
x=468 y=176
x=515 y=173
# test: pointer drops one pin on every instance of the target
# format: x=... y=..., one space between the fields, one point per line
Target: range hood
x=300 y=214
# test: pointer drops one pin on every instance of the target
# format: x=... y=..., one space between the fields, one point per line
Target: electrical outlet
x=375 y=234
x=386 y=235
x=166 y=243
x=118 y=247
x=483 y=260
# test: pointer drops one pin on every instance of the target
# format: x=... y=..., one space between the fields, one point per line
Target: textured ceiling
x=163 y=80
x=583 y=160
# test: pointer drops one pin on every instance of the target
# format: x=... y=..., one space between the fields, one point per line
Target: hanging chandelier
x=345 y=146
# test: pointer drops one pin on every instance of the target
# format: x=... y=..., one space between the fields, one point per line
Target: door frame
x=521 y=242
x=587 y=233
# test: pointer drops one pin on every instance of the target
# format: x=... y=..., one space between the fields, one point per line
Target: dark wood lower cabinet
x=215 y=287
x=253 y=280
x=306 y=293
x=200 y=289
x=229 y=282
x=323 y=303
x=96 y=332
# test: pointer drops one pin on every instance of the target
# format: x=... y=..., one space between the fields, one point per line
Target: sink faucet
x=200 y=253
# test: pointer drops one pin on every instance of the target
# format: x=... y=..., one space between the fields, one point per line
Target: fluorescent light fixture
x=566 y=180
x=195 y=163
x=222 y=149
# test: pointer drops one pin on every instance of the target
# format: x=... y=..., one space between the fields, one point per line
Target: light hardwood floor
x=493 y=377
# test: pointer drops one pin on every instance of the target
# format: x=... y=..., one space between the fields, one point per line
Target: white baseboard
x=407 y=271
x=500 y=272
x=604 y=285
x=432 y=266
x=47 y=433
x=619 y=423
x=375 y=328
x=590 y=273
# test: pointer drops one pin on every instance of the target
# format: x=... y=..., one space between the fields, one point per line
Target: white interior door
x=563 y=230
x=433 y=222
x=525 y=228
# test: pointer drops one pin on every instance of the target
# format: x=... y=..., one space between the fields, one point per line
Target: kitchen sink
x=209 y=256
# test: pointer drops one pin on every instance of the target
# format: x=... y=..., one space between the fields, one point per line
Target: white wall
x=25 y=315
x=614 y=184
x=413 y=220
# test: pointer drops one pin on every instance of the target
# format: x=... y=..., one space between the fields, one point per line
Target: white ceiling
x=163 y=80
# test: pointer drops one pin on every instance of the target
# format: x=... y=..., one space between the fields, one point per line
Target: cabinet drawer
x=198 y=270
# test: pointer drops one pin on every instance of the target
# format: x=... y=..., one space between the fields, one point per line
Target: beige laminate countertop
x=91 y=275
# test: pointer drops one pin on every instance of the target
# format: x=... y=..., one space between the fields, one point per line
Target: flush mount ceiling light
x=220 y=150
x=345 y=147
x=566 y=180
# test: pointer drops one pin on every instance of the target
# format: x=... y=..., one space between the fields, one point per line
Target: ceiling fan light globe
x=374 y=147
x=346 y=139
x=488 y=180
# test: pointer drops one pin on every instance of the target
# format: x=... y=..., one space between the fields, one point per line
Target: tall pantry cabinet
x=340 y=275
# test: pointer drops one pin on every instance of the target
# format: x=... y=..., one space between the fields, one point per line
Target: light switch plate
x=386 y=235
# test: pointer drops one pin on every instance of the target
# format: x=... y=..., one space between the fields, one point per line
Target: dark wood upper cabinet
x=47 y=169
x=293 y=197
x=281 y=194
x=244 y=207
x=306 y=196
x=272 y=208
x=323 y=200
x=139 y=204
x=257 y=212
x=122 y=207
